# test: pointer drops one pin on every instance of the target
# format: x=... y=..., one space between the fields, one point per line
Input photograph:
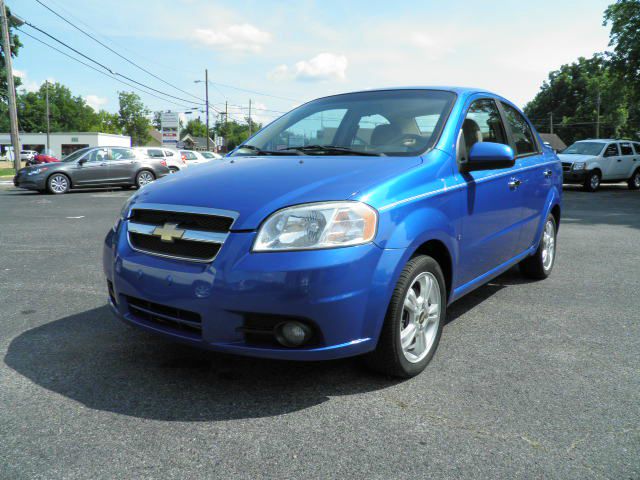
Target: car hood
x=569 y=158
x=255 y=187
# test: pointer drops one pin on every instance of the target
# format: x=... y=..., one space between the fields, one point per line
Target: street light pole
x=206 y=96
x=11 y=94
x=47 y=152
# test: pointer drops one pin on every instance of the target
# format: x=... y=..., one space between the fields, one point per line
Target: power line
x=254 y=92
x=116 y=53
x=99 y=71
x=105 y=67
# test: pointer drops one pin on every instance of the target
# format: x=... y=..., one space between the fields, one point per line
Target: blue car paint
x=485 y=226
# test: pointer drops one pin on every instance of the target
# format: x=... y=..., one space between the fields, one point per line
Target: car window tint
x=122 y=154
x=625 y=149
x=155 y=153
x=97 y=155
x=612 y=150
x=520 y=130
x=483 y=124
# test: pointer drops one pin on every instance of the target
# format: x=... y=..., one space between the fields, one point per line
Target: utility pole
x=226 y=112
x=598 y=116
x=11 y=94
x=551 y=122
x=206 y=97
x=249 y=117
x=47 y=152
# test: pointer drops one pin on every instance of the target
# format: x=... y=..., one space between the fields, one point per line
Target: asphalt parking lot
x=531 y=379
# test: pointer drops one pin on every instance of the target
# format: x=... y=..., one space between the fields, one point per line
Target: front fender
x=554 y=198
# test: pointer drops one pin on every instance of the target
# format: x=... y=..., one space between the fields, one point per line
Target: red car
x=42 y=158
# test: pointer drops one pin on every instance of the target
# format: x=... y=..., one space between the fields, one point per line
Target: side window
x=482 y=124
x=122 y=154
x=637 y=147
x=366 y=126
x=611 y=150
x=97 y=155
x=168 y=153
x=625 y=149
x=155 y=153
x=520 y=130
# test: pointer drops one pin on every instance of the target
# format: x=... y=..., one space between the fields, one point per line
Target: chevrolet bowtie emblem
x=168 y=232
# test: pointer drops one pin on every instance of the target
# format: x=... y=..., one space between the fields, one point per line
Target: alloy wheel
x=144 y=178
x=548 y=245
x=420 y=317
x=595 y=181
x=59 y=183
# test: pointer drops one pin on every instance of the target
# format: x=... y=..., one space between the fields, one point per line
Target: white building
x=64 y=143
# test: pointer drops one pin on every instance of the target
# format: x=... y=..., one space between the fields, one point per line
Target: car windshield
x=76 y=155
x=388 y=122
x=584 y=148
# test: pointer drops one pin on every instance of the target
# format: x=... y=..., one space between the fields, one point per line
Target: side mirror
x=82 y=161
x=489 y=156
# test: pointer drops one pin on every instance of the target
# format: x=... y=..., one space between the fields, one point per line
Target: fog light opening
x=292 y=334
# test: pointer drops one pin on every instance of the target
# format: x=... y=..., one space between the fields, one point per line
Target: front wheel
x=540 y=264
x=414 y=320
x=58 y=184
x=144 y=177
x=634 y=181
x=592 y=182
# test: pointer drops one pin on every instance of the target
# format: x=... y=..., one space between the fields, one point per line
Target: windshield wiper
x=332 y=149
x=259 y=151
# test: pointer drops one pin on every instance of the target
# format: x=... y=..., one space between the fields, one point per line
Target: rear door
x=493 y=208
x=123 y=164
x=610 y=162
x=626 y=162
x=535 y=174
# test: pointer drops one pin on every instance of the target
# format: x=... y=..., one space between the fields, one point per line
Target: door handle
x=548 y=173
x=514 y=183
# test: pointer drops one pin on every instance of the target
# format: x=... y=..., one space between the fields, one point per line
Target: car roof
x=454 y=89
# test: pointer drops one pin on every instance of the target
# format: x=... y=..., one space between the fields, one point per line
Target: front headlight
x=317 y=225
x=579 y=166
x=38 y=170
x=124 y=212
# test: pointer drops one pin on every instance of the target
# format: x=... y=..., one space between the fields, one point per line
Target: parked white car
x=211 y=155
x=27 y=155
x=192 y=157
x=594 y=162
x=174 y=160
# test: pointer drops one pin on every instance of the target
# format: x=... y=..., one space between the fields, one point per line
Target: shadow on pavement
x=610 y=205
x=94 y=359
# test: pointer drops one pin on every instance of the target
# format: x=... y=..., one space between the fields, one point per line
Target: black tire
x=590 y=183
x=127 y=187
x=534 y=266
x=141 y=175
x=58 y=183
x=388 y=358
x=634 y=181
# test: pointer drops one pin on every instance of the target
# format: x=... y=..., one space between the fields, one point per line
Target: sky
x=280 y=54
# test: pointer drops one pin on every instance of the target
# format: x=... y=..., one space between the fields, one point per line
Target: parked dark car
x=93 y=167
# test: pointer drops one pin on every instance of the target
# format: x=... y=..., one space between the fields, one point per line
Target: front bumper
x=29 y=182
x=343 y=293
x=574 y=176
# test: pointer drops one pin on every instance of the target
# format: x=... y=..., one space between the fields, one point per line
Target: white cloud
x=325 y=66
x=95 y=102
x=26 y=83
x=244 y=38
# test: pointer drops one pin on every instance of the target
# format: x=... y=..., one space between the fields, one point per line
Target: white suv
x=593 y=162
x=174 y=160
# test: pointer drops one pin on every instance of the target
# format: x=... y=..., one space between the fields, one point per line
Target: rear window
x=189 y=155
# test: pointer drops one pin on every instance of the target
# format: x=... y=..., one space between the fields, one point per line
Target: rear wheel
x=414 y=321
x=173 y=169
x=58 y=183
x=592 y=182
x=144 y=177
x=540 y=264
x=634 y=181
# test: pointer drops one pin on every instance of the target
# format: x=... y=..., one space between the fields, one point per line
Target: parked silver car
x=93 y=167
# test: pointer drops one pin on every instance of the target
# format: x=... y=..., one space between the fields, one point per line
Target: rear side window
x=155 y=153
x=483 y=124
x=122 y=154
x=520 y=130
x=637 y=147
x=625 y=149
x=611 y=150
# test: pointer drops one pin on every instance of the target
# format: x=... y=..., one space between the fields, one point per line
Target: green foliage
x=195 y=128
x=571 y=93
x=234 y=132
x=133 y=118
x=157 y=120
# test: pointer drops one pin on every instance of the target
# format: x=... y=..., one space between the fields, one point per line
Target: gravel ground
x=531 y=379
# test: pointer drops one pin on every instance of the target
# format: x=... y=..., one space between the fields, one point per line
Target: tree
x=107 y=122
x=195 y=128
x=15 y=48
x=234 y=132
x=157 y=120
x=133 y=118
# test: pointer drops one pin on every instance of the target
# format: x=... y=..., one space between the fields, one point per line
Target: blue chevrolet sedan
x=345 y=227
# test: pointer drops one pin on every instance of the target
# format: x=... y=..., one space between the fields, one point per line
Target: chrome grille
x=185 y=233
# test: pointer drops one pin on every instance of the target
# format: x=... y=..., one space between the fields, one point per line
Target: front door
x=94 y=171
x=490 y=221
